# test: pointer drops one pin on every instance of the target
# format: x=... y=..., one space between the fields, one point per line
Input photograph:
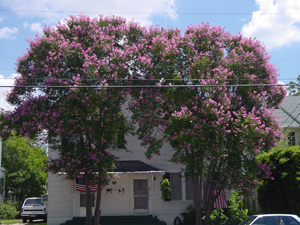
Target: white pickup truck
x=32 y=209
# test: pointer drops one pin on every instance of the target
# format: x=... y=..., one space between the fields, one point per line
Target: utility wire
x=119 y=80
x=144 y=86
x=288 y=116
x=157 y=13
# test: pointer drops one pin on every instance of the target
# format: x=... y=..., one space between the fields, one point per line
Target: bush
x=189 y=217
x=8 y=211
x=281 y=193
x=231 y=216
x=165 y=188
x=217 y=217
x=236 y=212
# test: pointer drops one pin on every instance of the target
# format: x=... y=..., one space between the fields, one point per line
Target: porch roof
x=135 y=166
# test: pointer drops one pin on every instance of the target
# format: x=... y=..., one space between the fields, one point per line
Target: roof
x=288 y=112
x=135 y=166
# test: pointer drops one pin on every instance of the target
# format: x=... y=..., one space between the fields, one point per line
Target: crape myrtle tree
x=50 y=95
x=212 y=102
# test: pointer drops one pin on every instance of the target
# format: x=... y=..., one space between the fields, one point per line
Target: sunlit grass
x=20 y=221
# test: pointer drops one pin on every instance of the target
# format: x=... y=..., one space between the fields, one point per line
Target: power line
x=145 y=86
x=162 y=80
x=157 y=13
x=288 y=116
x=117 y=80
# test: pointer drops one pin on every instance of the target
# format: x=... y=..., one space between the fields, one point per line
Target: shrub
x=217 y=217
x=165 y=188
x=231 y=216
x=189 y=217
x=281 y=193
x=236 y=212
x=8 y=211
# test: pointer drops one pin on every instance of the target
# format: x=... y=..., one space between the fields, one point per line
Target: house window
x=188 y=190
x=83 y=199
x=175 y=183
x=291 y=139
x=71 y=141
x=1 y=185
x=121 y=140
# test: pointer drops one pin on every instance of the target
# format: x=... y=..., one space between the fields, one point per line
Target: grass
x=20 y=221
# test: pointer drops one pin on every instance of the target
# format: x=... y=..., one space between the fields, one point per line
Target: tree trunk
x=209 y=204
x=97 y=212
x=88 y=207
x=197 y=199
x=198 y=215
x=207 y=216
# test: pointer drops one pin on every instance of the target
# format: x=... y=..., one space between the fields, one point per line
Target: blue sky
x=276 y=23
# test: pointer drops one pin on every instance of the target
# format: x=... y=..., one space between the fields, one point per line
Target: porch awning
x=135 y=166
x=131 y=166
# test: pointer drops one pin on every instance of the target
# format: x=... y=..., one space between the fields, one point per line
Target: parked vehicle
x=33 y=208
x=272 y=219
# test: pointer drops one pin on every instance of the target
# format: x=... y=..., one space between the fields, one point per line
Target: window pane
x=292 y=138
x=188 y=190
x=176 y=189
x=288 y=220
x=140 y=187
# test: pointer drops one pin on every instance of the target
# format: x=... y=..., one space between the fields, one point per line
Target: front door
x=141 y=196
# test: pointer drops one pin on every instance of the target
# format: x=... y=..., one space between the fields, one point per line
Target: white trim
x=134 y=172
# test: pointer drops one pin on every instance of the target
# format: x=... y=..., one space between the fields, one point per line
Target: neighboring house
x=288 y=114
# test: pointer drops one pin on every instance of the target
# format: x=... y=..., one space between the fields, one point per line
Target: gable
x=288 y=112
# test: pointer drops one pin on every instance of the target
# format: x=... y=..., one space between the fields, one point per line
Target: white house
x=135 y=192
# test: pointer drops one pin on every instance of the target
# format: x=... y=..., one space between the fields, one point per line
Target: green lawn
x=20 y=221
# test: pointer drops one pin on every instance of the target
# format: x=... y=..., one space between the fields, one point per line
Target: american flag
x=80 y=186
x=220 y=201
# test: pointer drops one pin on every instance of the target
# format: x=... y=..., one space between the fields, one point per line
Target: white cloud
x=55 y=10
x=276 y=23
x=2 y=18
x=4 y=82
x=37 y=27
x=8 y=33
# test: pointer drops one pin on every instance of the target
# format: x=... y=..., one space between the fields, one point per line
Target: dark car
x=272 y=219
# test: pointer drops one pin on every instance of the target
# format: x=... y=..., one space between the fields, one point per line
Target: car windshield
x=36 y=201
x=248 y=221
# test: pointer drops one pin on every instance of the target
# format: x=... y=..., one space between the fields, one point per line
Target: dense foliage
x=25 y=161
x=281 y=193
x=51 y=95
x=165 y=187
x=208 y=93
x=234 y=214
x=211 y=98
x=8 y=211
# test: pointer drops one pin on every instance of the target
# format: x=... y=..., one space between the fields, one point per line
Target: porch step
x=119 y=220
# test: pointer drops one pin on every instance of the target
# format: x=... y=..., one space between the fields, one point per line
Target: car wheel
x=45 y=220
x=31 y=220
x=24 y=220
